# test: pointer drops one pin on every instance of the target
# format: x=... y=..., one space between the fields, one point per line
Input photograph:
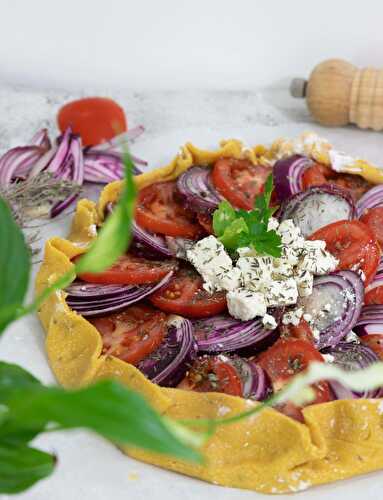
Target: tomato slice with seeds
x=301 y=331
x=132 y=334
x=319 y=174
x=239 y=181
x=286 y=358
x=132 y=270
x=213 y=374
x=95 y=119
x=160 y=210
x=375 y=342
x=185 y=295
x=373 y=217
x=206 y=221
x=353 y=244
x=374 y=296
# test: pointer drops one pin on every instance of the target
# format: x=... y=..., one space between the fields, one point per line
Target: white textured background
x=231 y=44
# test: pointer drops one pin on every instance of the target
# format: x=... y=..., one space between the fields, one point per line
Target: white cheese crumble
x=329 y=358
x=256 y=282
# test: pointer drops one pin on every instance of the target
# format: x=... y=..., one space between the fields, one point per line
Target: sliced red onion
x=197 y=189
x=317 y=207
x=168 y=365
x=107 y=166
x=353 y=357
x=335 y=305
x=91 y=304
x=378 y=279
x=373 y=198
x=41 y=139
x=287 y=175
x=340 y=391
x=255 y=383
x=146 y=242
x=370 y=320
x=224 y=333
x=129 y=136
x=179 y=246
x=17 y=162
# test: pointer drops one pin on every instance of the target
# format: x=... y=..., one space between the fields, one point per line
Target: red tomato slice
x=206 y=221
x=133 y=334
x=213 y=374
x=373 y=217
x=95 y=119
x=375 y=342
x=286 y=358
x=239 y=181
x=301 y=331
x=374 y=296
x=318 y=174
x=354 y=244
x=184 y=295
x=160 y=210
x=132 y=270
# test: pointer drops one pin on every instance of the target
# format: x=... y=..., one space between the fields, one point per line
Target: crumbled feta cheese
x=352 y=337
x=329 y=358
x=273 y=224
x=316 y=259
x=255 y=271
x=290 y=234
x=304 y=281
x=213 y=263
x=244 y=304
x=269 y=322
x=281 y=293
x=293 y=317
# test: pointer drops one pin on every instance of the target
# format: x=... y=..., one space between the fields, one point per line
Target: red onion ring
x=287 y=174
x=197 y=190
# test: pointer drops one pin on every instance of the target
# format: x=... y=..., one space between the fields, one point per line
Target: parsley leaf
x=242 y=228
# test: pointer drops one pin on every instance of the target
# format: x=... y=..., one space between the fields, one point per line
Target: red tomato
x=375 y=342
x=95 y=119
x=133 y=334
x=374 y=296
x=373 y=217
x=318 y=174
x=239 y=181
x=160 y=210
x=213 y=374
x=301 y=331
x=206 y=221
x=132 y=270
x=286 y=358
x=353 y=243
x=184 y=295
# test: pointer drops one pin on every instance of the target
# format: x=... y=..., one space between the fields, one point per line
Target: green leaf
x=268 y=243
x=115 y=234
x=22 y=466
x=14 y=379
x=231 y=234
x=107 y=408
x=223 y=217
x=14 y=266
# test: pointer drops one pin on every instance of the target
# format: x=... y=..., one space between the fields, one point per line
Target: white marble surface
x=89 y=467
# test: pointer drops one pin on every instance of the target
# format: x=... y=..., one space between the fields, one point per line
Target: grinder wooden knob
x=338 y=93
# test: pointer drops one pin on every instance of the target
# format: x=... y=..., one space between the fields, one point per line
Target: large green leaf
x=14 y=266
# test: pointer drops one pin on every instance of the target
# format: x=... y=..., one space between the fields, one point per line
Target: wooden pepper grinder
x=338 y=93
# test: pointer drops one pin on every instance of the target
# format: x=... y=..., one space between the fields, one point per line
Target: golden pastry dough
x=269 y=453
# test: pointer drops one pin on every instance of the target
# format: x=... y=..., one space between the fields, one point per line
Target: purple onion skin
x=287 y=175
x=155 y=365
x=197 y=190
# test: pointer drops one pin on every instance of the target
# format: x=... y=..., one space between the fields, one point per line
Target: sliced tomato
x=133 y=334
x=373 y=217
x=95 y=119
x=375 y=342
x=374 y=296
x=239 y=181
x=160 y=210
x=206 y=221
x=318 y=174
x=185 y=295
x=132 y=270
x=301 y=331
x=213 y=374
x=286 y=358
x=354 y=244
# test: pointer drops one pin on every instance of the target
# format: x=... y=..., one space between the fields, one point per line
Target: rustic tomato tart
x=246 y=265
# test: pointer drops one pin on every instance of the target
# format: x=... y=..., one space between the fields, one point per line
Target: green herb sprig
x=241 y=228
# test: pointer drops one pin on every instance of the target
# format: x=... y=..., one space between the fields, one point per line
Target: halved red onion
x=168 y=364
x=287 y=175
x=224 y=333
x=353 y=357
x=335 y=305
x=373 y=198
x=197 y=189
x=255 y=383
x=317 y=207
x=84 y=298
x=370 y=320
x=145 y=242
